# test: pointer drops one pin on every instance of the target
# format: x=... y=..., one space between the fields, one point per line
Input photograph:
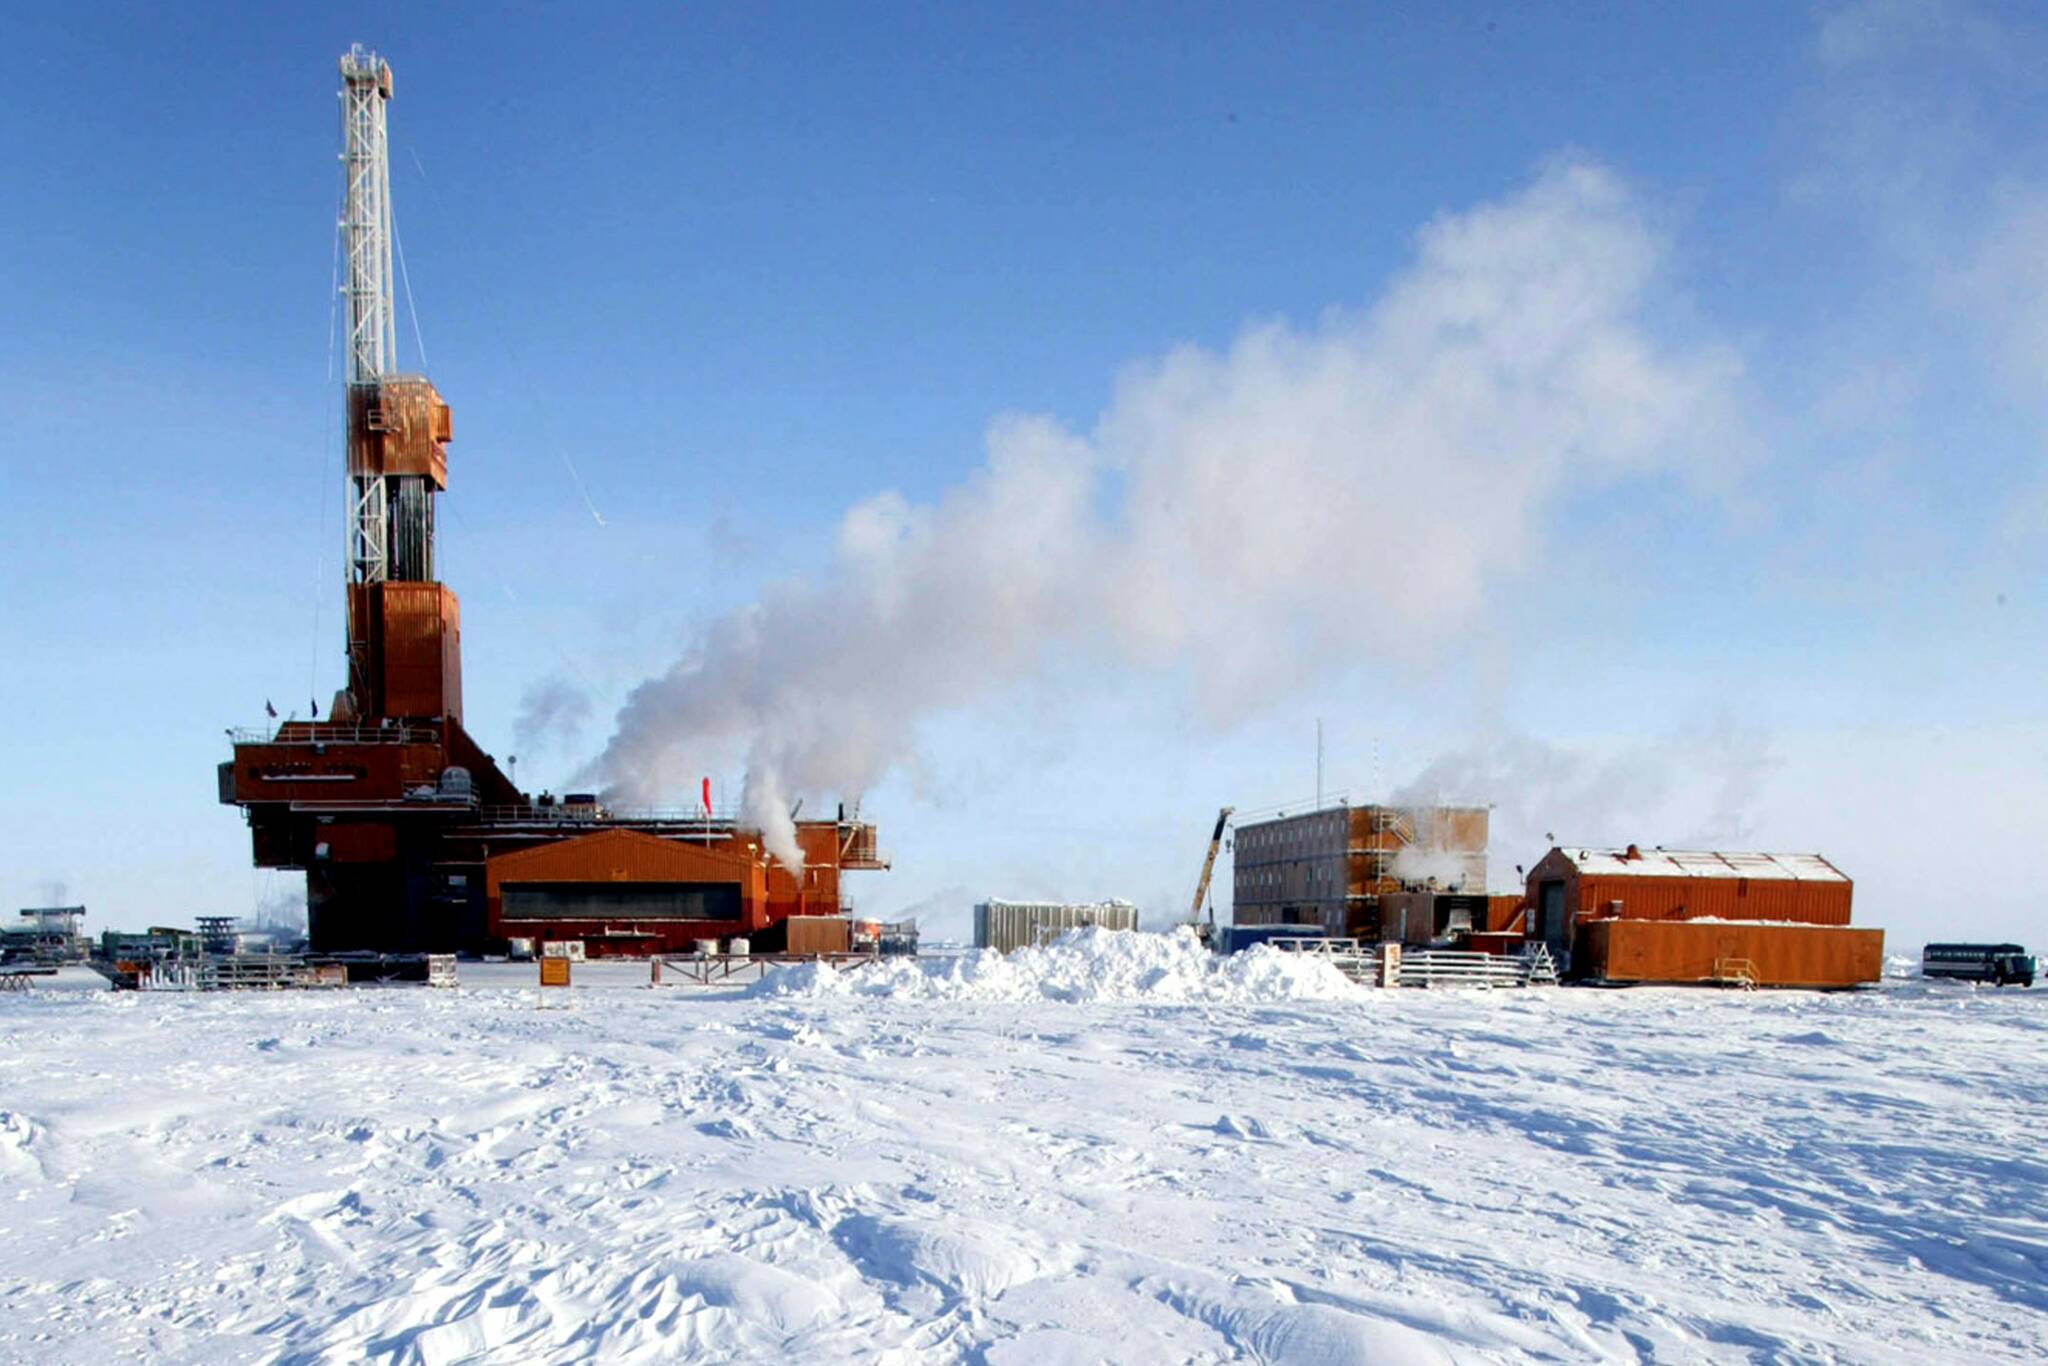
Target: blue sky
x=742 y=271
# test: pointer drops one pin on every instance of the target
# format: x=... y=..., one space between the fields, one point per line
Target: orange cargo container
x=1695 y=951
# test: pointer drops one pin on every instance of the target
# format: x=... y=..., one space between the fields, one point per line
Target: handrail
x=329 y=733
x=579 y=813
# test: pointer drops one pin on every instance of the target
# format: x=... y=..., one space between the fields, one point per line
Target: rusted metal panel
x=857 y=846
x=817 y=934
x=358 y=842
x=406 y=638
x=1698 y=898
x=1405 y=916
x=420 y=648
x=814 y=890
x=1689 y=951
x=624 y=856
x=401 y=426
x=332 y=773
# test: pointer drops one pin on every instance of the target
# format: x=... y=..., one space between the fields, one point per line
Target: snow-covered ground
x=1088 y=1156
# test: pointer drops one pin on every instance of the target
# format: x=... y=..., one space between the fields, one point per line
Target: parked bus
x=1999 y=964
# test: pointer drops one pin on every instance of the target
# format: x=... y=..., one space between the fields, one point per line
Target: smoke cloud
x=1693 y=790
x=1420 y=864
x=1302 y=500
x=551 y=712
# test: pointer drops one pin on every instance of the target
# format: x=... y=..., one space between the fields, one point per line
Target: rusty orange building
x=626 y=889
x=1636 y=915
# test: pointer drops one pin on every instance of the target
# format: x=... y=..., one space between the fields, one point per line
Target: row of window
x=1297 y=834
x=1318 y=876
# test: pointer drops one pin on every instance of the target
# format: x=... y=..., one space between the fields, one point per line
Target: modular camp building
x=1336 y=866
x=1636 y=915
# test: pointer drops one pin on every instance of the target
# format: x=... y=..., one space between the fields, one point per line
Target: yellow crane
x=1208 y=869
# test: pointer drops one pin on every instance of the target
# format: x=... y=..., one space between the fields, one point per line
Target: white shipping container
x=1008 y=925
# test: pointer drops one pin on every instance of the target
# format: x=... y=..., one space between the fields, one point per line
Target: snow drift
x=1084 y=965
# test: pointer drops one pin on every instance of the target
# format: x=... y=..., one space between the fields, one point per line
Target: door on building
x=1550 y=919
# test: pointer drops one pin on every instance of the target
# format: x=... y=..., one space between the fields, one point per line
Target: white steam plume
x=1306 y=497
x=552 y=711
x=1691 y=789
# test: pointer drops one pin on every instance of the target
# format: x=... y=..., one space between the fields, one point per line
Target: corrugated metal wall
x=818 y=934
x=1711 y=898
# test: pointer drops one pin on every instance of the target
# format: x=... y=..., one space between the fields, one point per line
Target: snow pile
x=1084 y=965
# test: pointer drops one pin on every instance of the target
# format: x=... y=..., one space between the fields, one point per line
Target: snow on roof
x=1704 y=863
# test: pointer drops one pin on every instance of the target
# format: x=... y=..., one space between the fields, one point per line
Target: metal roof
x=1704 y=863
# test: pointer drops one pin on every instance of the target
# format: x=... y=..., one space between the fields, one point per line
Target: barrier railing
x=241 y=972
x=1429 y=967
x=734 y=969
x=324 y=733
x=1349 y=956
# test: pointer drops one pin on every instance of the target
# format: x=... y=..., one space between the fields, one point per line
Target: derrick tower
x=404 y=627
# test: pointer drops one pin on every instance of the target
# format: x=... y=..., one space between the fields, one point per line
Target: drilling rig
x=411 y=837
x=404 y=628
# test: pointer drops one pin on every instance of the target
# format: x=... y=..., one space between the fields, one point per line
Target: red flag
x=707 y=796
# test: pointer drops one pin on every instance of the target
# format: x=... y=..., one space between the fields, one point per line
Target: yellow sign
x=554 y=972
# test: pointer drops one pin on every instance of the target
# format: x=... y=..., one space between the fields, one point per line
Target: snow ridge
x=1081 y=966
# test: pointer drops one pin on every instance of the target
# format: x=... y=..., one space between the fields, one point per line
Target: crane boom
x=1209 y=863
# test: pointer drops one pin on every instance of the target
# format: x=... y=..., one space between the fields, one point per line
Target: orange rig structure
x=411 y=837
